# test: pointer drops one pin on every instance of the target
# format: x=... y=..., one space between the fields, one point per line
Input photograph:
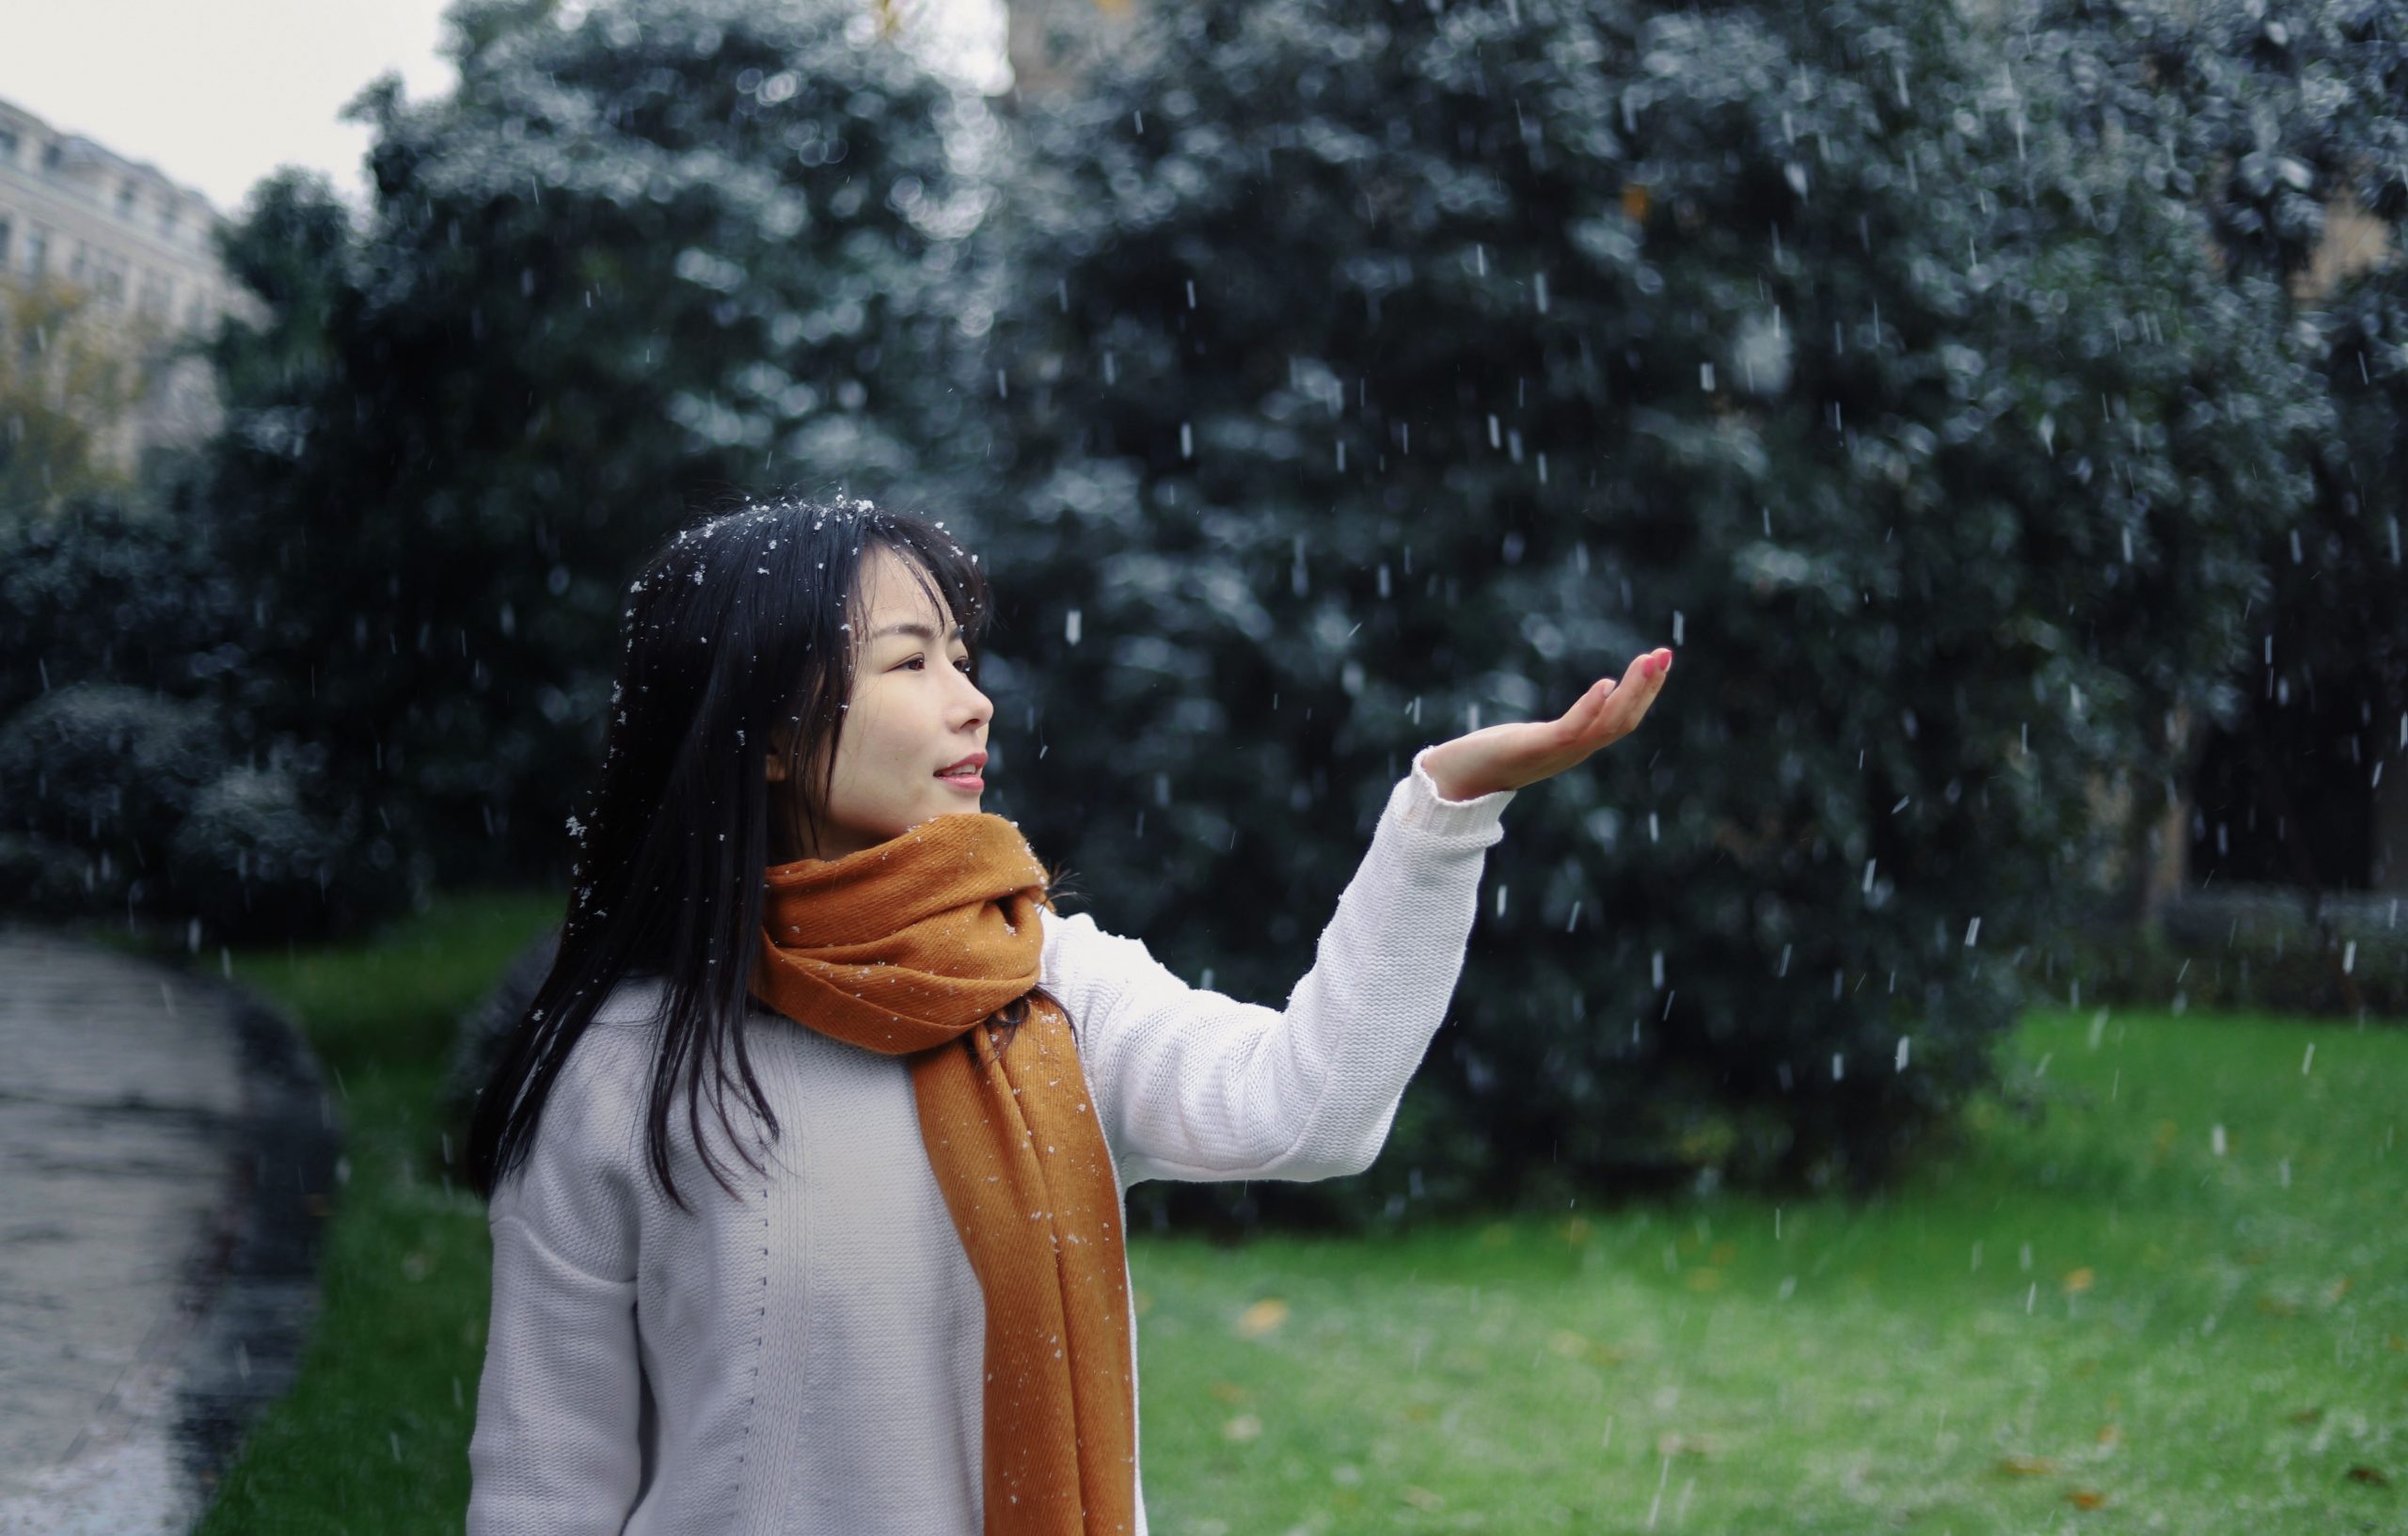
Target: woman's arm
x=1192 y=1084
x=555 y=1448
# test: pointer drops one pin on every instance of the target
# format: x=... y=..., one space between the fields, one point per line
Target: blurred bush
x=123 y=802
x=267 y=864
x=129 y=760
x=113 y=768
x=115 y=589
x=2258 y=948
x=478 y=1040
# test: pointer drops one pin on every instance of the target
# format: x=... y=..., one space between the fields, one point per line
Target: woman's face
x=914 y=713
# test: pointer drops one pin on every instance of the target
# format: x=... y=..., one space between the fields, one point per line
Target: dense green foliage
x=638 y=259
x=134 y=782
x=2272 y=116
x=1381 y=368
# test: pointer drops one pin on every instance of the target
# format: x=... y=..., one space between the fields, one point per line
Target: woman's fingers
x=1621 y=704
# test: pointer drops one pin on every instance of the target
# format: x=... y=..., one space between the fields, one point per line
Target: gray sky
x=217 y=93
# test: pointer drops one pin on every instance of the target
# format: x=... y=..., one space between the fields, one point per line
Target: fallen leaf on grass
x=2368 y=1475
x=2026 y=1466
x=2109 y=1435
x=1262 y=1318
x=2307 y=1416
x=2079 y=1280
x=2083 y=1498
x=1685 y=1444
x=1570 y=1345
x=1420 y=1499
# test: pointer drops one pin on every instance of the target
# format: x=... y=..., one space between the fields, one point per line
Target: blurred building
x=135 y=248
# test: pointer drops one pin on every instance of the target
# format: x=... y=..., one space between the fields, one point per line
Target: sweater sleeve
x=1192 y=1084
x=555 y=1451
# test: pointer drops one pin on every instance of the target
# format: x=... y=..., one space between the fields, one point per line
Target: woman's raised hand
x=1509 y=756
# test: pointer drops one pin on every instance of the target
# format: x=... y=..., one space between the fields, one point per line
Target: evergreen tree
x=641 y=257
x=1379 y=366
x=2268 y=116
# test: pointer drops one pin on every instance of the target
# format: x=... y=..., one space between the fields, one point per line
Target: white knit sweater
x=808 y=1362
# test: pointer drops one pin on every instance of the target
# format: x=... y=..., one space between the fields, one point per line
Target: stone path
x=165 y=1151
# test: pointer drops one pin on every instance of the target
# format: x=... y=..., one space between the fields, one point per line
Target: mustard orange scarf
x=904 y=949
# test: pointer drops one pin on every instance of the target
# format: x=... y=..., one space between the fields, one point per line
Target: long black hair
x=739 y=640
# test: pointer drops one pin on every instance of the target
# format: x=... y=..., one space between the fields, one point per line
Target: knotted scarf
x=905 y=948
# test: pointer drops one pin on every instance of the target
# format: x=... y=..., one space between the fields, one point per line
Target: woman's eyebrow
x=921 y=630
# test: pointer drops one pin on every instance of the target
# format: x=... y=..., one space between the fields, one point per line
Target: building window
x=37 y=253
x=8 y=243
x=168 y=219
x=125 y=200
x=8 y=146
x=52 y=155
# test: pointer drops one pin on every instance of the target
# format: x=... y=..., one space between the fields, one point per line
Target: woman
x=905 y=1308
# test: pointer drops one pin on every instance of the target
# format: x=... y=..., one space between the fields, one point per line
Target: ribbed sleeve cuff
x=1417 y=804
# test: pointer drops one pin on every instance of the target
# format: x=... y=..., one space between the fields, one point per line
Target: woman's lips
x=969 y=784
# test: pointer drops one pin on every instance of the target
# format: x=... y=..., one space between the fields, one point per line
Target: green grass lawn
x=2179 y=1302
x=375 y=1435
